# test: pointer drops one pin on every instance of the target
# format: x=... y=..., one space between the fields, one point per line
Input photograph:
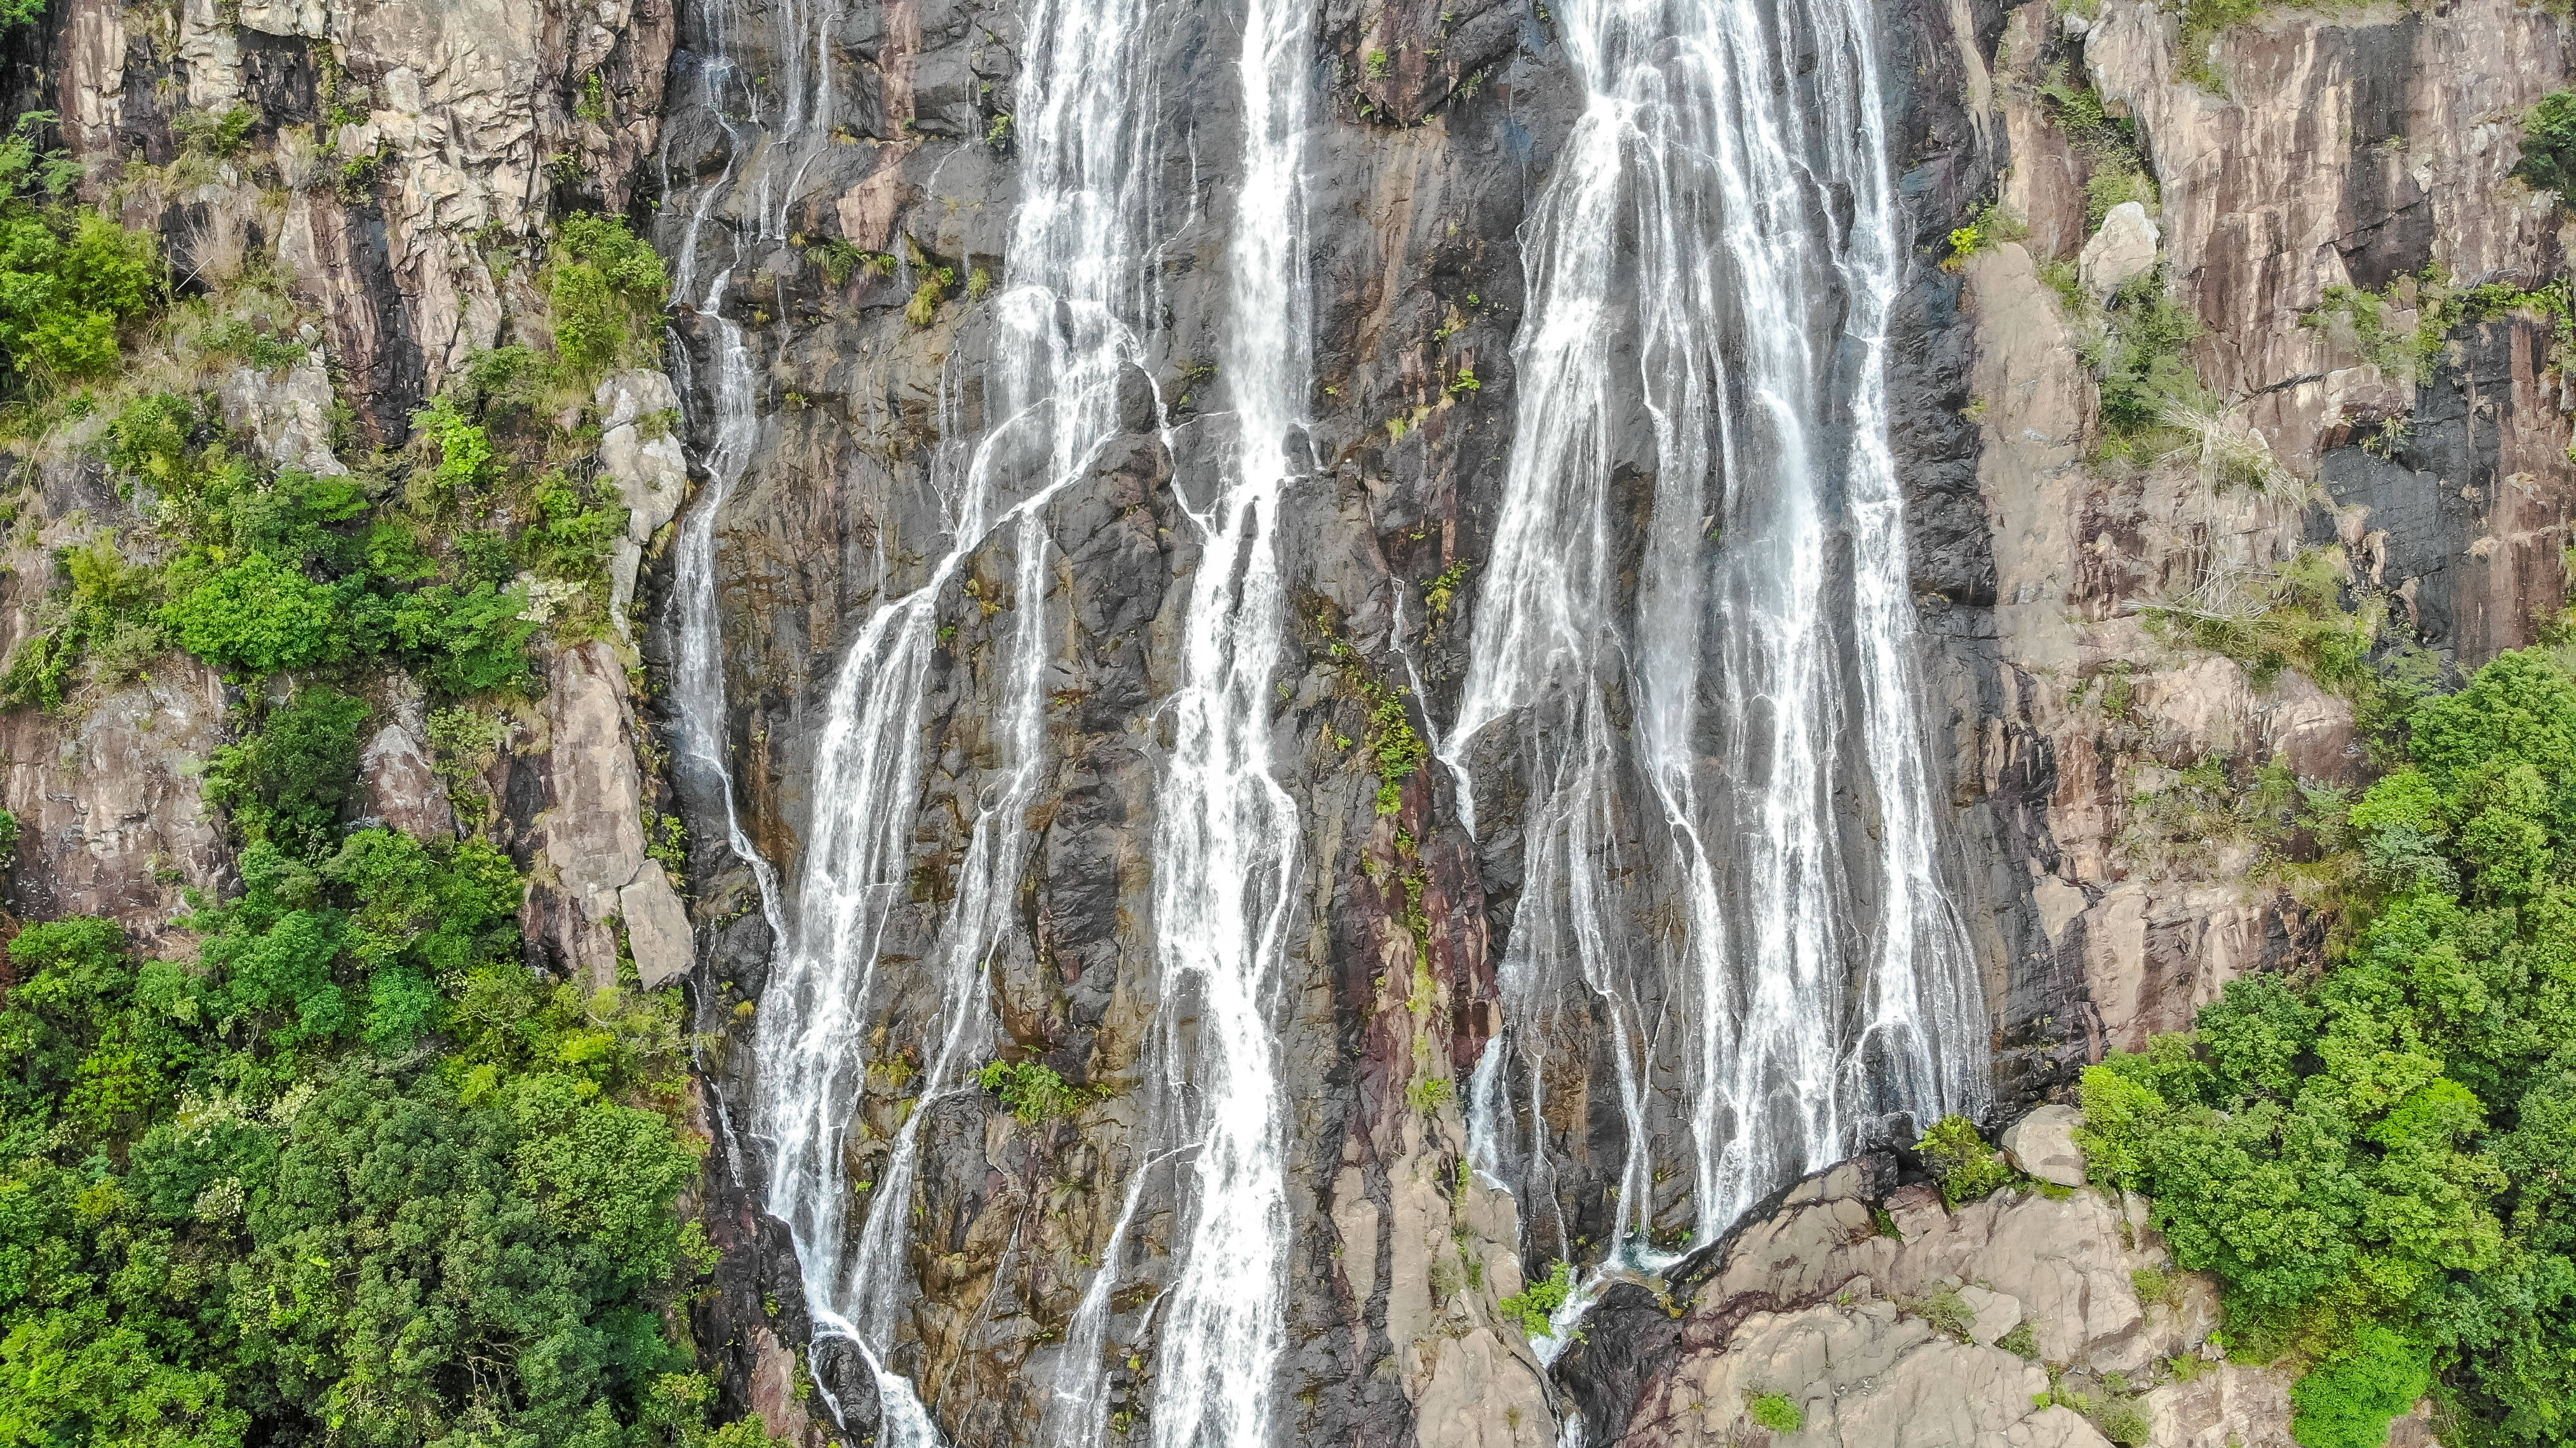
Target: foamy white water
x=1716 y=249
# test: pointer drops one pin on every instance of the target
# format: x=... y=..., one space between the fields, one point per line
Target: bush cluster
x=72 y=282
x=354 y=1173
x=264 y=569
x=2373 y=1160
x=1960 y=1161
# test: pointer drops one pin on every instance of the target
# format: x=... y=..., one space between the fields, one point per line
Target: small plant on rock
x=1961 y=1162
x=2549 y=145
x=2021 y=1342
x=1534 y=1304
x=1775 y=1411
x=1945 y=1309
x=1034 y=1092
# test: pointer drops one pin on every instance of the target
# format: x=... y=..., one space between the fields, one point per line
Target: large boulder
x=2042 y=1145
x=2124 y=248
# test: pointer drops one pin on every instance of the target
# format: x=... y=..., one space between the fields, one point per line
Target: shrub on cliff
x=286 y=780
x=603 y=291
x=1967 y=1169
x=278 y=568
x=72 y=282
x=2549 y=145
x=2372 y=1161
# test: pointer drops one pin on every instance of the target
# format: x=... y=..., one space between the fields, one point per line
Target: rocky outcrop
x=394 y=167
x=639 y=454
x=109 y=818
x=2042 y=1145
x=1880 y=1318
x=402 y=156
x=597 y=901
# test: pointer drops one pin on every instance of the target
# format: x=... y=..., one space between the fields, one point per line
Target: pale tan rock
x=592 y=835
x=93 y=78
x=1484 y=1392
x=402 y=791
x=110 y=817
x=1356 y=1218
x=287 y=414
x=2055 y=1427
x=2227 y=1406
x=1867 y=1369
x=2124 y=248
x=2042 y=1144
x=310 y=18
x=1862 y=1376
x=1917 y=1212
x=1996 y=1313
x=650 y=472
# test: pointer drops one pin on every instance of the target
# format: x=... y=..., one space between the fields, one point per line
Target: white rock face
x=287 y=412
x=2125 y=247
x=639 y=451
x=110 y=818
x=402 y=790
x=2043 y=1145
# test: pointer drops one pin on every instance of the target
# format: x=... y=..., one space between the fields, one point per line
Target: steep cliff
x=1341 y=719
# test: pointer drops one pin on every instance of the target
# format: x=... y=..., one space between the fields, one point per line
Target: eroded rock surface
x=2351 y=150
x=1885 y=1318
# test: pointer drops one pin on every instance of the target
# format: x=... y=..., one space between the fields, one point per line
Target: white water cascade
x=1062 y=340
x=1226 y=838
x=1730 y=847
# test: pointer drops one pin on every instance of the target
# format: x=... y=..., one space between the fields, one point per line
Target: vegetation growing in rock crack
x=1532 y=1305
x=1035 y=1092
x=1776 y=1412
x=446 y=560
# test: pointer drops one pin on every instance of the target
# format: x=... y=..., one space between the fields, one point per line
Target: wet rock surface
x=2349 y=149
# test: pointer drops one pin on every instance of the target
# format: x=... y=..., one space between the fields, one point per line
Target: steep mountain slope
x=1298 y=698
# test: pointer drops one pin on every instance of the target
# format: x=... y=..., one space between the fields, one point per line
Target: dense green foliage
x=605 y=290
x=284 y=783
x=1776 y=1412
x=2138 y=358
x=263 y=569
x=2374 y=1161
x=353 y=1174
x=1959 y=1159
x=1535 y=1303
x=268 y=569
x=71 y=281
x=2549 y=145
x=1036 y=1092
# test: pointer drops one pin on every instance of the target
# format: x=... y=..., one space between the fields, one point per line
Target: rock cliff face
x=2369 y=150
x=395 y=175
x=839 y=190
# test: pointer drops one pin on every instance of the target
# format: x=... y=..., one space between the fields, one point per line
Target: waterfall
x=1226 y=837
x=1730 y=843
x=1062 y=334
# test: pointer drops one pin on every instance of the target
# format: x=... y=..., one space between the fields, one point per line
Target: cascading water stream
x=1690 y=751
x=1063 y=342
x=1226 y=837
